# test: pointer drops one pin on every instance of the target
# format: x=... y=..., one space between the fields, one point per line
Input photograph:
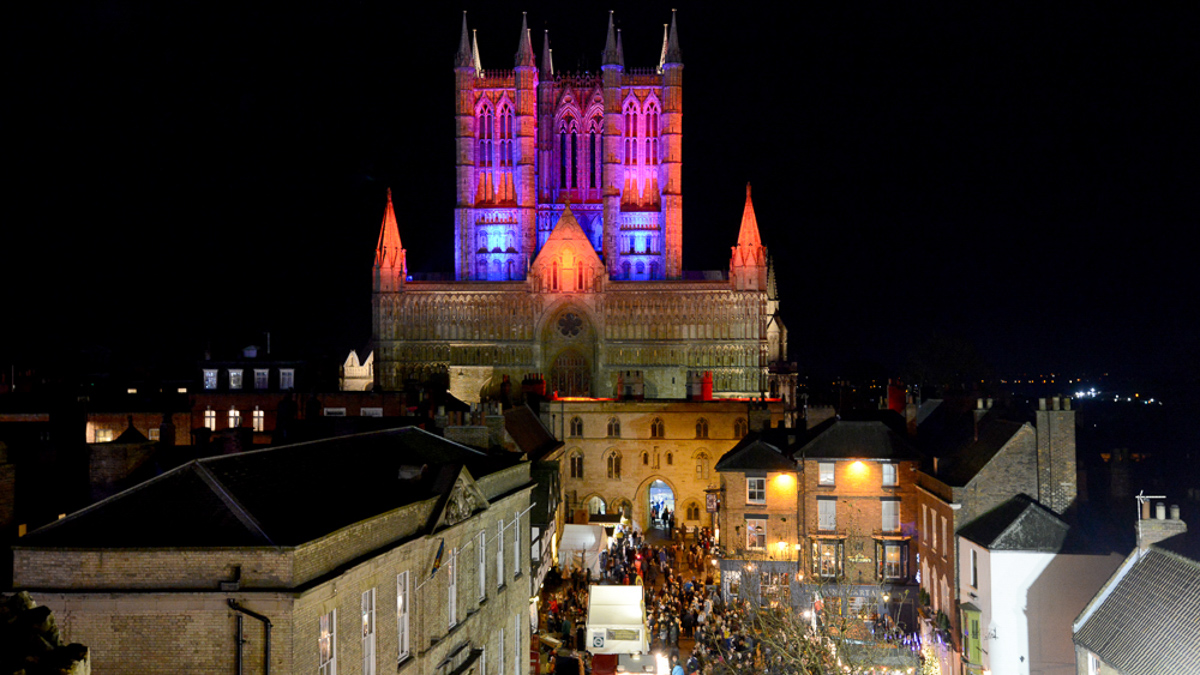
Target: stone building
x=619 y=456
x=568 y=245
x=393 y=551
x=977 y=460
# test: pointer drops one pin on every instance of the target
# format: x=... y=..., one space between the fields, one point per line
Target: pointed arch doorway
x=660 y=504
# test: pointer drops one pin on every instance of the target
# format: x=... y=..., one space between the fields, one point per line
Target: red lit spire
x=389 y=252
x=748 y=235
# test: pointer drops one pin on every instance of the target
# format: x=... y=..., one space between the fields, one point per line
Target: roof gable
x=845 y=439
x=752 y=453
x=1019 y=524
x=1145 y=620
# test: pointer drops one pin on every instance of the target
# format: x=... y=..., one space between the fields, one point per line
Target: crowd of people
x=685 y=615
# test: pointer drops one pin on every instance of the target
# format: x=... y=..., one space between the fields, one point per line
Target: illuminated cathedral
x=568 y=233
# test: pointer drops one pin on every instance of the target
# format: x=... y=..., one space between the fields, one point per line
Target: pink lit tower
x=531 y=141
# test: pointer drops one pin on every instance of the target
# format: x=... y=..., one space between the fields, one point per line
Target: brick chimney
x=1153 y=529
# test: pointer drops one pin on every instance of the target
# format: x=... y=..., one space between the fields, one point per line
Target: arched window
x=670 y=459
x=701 y=428
x=625 y=268
x=740 y=428
x=614 y=465
x=702 y=465
x=506 y=135
x=657 y=428
x=645 y=459
x=614 y=427
x=693 y=511
x=577 y=464
x=576 y=427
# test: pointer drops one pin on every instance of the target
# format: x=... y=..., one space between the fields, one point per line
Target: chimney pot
x=1145 y=510
x=979 y=404
x=1054 y=403
x=1160 y=511
x=1041 y=404
x=989 y=404
x=1174 y=512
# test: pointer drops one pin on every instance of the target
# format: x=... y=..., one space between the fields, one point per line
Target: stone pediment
x=464 y=501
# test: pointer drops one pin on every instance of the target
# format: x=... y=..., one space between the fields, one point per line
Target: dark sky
x=1024 y=179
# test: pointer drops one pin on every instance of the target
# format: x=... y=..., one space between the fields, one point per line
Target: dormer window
x=235 y=378
x=210 y=378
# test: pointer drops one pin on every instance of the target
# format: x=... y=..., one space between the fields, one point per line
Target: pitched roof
x=1019 y=524
x=845 y=439
x=530 y=435
x=1146 y=618
x=755 y=454
x=282 y=496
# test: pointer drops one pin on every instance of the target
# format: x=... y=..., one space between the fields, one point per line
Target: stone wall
x=149 y=569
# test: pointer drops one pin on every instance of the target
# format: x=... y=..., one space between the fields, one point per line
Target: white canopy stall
x=580 y=546
x=616 y=622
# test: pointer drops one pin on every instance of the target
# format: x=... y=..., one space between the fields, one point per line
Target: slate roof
x=530 y=435
x=283 y=496
x=752 y=453
x=845 y=439
x=1019 y=524
x=1146 y=619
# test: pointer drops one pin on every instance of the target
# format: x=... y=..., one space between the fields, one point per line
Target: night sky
x=1023 y=180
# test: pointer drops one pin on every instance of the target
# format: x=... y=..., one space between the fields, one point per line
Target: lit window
x=235 y=418
x=210 y=379
x=890 y=474
x=756 y=490
x=131 y=390
x=827 y=558
x=894 y=560
x=577 y=427
x=154 y=434
x=827 y=514
x=287 y=378
x=259 y=419
x=732 y=581
x=327 y=644
x=235 y=378
x=826 y=473
x=891 y=515
x=104 y=435
x=756 y=533
x=260 y=378
x=402 y=602
x=210 y=419
x=368 y=632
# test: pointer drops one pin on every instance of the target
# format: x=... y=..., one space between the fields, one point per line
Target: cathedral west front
x=568 y=234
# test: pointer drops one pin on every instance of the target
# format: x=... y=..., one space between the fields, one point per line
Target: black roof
x=530 y=435
x=1019 y=524
x=283 y=496
x=858 y=439
x=1144 y=621
x=753 y=453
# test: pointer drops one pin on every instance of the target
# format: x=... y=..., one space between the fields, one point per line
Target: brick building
x=977 y=459
x=836 y=509
x=380 y=551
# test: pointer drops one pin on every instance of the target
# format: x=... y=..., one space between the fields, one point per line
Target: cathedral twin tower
x=568 y=243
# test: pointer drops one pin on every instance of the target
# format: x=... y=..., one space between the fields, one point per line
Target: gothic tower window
x=614 y=427
x=701 y=428
x=657 y=428
x=740 y=428
x=702 y=465
x=576 y=427
x=577 y=464
x=485 y=133
x=614 y=464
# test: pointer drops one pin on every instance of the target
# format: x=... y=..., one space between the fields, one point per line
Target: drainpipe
x=266 y=632
x=240 y=640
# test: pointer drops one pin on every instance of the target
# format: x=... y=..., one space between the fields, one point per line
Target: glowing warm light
x=784 y=480
x=858 y=468
x=782 y=546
